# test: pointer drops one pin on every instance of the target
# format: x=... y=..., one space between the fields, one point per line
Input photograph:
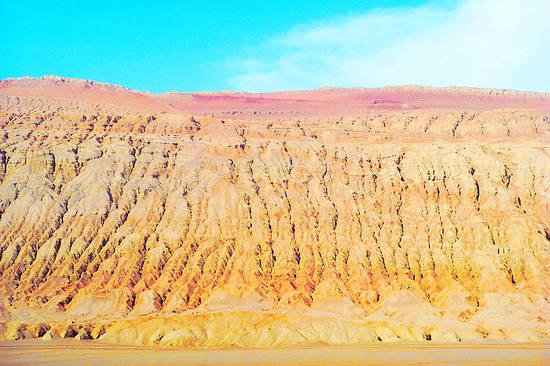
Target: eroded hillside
x=210 y=230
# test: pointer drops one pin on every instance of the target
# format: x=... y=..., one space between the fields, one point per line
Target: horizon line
x=328 y=88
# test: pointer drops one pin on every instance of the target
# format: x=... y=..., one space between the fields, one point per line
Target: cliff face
x=165 y=228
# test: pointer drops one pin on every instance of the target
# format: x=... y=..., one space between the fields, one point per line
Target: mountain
x=334 y=216
x=323 y=101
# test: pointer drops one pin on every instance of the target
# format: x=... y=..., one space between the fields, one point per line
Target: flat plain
x=36 y=352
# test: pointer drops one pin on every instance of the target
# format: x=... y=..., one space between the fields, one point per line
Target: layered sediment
x=159 y=224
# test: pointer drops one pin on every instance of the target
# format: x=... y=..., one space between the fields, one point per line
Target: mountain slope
x=273 y=226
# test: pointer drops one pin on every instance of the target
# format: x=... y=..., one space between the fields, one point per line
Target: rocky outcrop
x=204 y=230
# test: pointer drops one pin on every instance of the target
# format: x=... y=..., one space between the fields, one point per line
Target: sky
x=257 y=46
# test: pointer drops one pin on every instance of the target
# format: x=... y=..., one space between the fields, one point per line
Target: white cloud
x=480 y=43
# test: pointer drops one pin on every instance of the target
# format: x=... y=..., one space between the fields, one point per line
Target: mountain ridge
x=308 y=102
x=405 y=87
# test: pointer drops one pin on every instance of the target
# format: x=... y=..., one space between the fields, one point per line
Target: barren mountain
x=336 y=216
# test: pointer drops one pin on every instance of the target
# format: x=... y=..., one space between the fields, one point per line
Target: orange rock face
x=218 y=219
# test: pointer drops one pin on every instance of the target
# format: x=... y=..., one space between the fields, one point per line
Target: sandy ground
x=37 y=352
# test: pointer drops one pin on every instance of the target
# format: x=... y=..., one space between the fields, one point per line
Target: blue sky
x=278 y=45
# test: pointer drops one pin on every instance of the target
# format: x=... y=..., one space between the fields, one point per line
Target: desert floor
x=72 y=352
